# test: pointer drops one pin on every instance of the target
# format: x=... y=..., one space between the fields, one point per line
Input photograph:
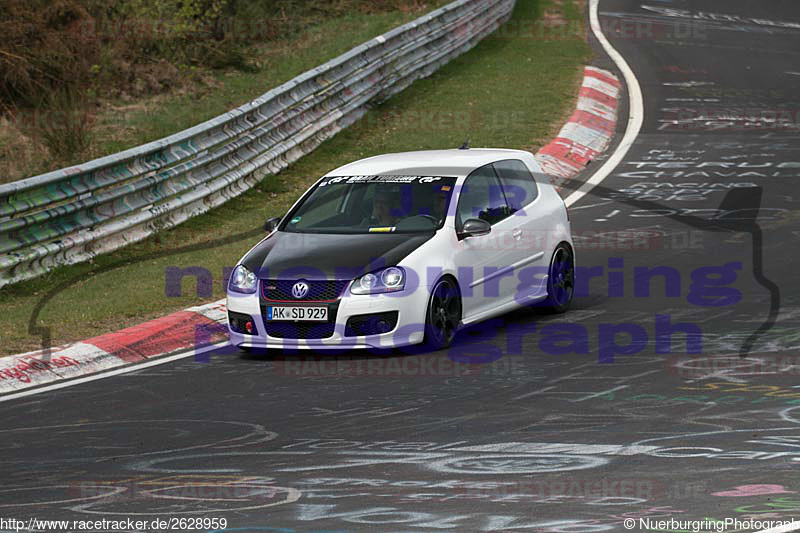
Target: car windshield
x=373 y=204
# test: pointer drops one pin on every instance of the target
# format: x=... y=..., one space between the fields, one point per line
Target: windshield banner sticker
x=379 y=179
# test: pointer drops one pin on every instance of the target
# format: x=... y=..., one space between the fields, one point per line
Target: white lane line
x=589 y=206
x=568 y=376
x=596 y=394
x=535 y=392
x=117 y=371
x=631 y=378
x=635 y=110
x=611 y=214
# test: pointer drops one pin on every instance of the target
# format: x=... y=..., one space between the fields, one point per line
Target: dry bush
x=39 y=50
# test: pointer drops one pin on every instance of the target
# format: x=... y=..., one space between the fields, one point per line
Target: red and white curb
x=588 y=133
x=131 y=345
x=590 y=129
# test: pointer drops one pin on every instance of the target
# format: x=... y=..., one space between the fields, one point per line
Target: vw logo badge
x=299 y=290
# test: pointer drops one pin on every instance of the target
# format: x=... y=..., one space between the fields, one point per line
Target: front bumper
x=410 y=328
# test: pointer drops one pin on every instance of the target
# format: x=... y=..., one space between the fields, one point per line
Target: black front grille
x=318 y=290
x=300 y=330
x=370 y=324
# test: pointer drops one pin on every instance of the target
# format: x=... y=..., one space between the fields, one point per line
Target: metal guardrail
x=73 y=214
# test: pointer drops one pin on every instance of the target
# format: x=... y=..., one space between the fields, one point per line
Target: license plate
x=312 y=314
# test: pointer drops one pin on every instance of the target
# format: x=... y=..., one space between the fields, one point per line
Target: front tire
x=561 y=280
x=443 y=314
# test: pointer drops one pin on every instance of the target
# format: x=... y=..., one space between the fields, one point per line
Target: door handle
x=517 y=233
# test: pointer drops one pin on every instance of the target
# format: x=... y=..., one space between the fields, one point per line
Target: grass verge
x=513 y=91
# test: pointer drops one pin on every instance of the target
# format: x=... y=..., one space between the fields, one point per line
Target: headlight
x=387 y=280
x=392 y=277
x=242 y=280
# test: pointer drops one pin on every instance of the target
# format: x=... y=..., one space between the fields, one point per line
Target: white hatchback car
x=402 y=249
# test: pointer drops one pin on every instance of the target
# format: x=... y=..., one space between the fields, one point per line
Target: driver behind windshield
x=383 y=205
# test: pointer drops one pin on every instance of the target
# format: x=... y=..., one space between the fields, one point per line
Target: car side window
x=518 y=183
x=482 y=197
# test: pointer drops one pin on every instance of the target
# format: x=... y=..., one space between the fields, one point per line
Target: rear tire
x=442 y=315
x=561 y=280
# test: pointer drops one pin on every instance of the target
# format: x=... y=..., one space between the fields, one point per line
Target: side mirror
x=475 y=227
x=271 y=224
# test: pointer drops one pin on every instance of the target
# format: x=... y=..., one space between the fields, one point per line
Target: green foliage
x=184 y=31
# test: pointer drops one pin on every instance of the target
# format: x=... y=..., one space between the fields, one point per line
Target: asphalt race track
x=535 y=434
